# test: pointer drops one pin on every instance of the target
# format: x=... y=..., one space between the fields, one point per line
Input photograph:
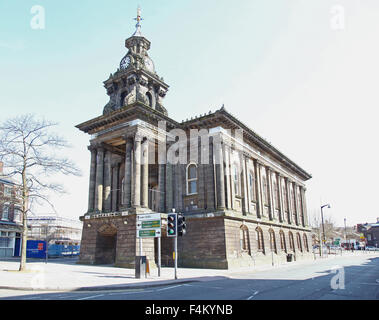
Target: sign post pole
x=159 y=257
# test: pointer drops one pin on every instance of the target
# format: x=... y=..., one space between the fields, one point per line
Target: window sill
x=191 y=194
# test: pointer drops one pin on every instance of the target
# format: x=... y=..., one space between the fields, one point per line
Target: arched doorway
x=106 y=241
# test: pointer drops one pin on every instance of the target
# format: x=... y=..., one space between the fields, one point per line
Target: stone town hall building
x=249 y=210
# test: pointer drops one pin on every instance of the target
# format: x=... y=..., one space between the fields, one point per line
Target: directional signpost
x=149 y=226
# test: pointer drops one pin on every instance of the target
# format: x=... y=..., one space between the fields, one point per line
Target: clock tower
x=136 y=78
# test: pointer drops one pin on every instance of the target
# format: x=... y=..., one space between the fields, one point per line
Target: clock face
x=149 y=64
x=125 y=62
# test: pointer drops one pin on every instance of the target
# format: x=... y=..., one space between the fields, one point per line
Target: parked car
x=371 y=248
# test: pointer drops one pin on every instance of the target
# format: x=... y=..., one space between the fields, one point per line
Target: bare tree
x=32 y=154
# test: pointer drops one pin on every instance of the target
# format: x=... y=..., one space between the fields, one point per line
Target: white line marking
x=254 y=294
x=179 y=285
x=192 y=285
x=134 y=292
x=85 y=298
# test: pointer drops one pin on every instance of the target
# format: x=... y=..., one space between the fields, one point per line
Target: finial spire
x=138 y=25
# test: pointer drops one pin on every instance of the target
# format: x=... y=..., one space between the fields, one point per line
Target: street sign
x=149 y=225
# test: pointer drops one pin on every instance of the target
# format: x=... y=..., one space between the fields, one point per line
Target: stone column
x=304 y=206
x=287 y=182
x=281 y=204
x=220 y=173
x=107 y=182
x=169 y=189
x=92 y=180
x=226 y=151
x=145 y=174
x=115 y=186
x=137 y=172
x=244 y=186
x=294 y=187
x=161 y=187
x=210 y=179
x=99 y=180
x=258 y=187
x=270 y=193
x=128 y=174
x=297 y=207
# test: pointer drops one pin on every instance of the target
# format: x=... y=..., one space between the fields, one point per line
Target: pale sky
x=301 y=74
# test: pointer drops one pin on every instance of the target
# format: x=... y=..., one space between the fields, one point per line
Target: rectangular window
x=5 y=242
x=17 y=214
x=5 y=214
x=7 y=191
x=252 y=187
x=236 y=181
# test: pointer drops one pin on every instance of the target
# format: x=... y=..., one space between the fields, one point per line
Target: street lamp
x=345 y=229
x=322 y=220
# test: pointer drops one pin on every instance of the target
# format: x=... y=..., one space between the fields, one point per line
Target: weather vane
x=138 y=19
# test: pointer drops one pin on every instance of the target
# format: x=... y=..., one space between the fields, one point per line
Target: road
x=340 y=278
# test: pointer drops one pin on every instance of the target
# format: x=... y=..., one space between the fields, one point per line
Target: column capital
x=100 y=149
x=138 y=137
x=91 y=147
x=259 y=162
x=269 y=169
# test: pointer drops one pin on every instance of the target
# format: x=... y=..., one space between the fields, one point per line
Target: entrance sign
x=149 y=225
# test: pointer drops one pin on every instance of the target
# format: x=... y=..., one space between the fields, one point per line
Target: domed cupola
x=136 y=78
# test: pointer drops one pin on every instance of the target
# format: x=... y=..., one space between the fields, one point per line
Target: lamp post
x=322 y=221
x=345 y=229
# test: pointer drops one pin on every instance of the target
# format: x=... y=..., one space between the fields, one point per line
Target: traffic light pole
x=176 y=257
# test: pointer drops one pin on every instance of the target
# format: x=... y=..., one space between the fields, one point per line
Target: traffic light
x=172 y=225
x=181 y=225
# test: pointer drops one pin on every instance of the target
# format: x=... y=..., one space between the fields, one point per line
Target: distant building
x=54 y=229
x=10 y=216
x=371 y=232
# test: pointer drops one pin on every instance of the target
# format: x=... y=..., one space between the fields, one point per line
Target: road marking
x=179 y=285
x=370 y=284
x=134 y=292
x=90 y=297
x=254 y=294
x=192 y=285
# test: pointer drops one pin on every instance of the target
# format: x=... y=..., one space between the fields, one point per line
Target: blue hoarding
x=36 y=249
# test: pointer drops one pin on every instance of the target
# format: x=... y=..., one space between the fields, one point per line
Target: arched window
x=305 y=241
x=191 y=179
x=292 y=245
x=298 y=238
x=282 y=241
x=122 y=98
x=272 y=241
x=150 y=99
x=259 y=238
x=236 y=180
x=252 y=186
x=244 y=239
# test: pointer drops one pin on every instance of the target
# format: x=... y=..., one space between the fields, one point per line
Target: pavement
x=65 y=275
